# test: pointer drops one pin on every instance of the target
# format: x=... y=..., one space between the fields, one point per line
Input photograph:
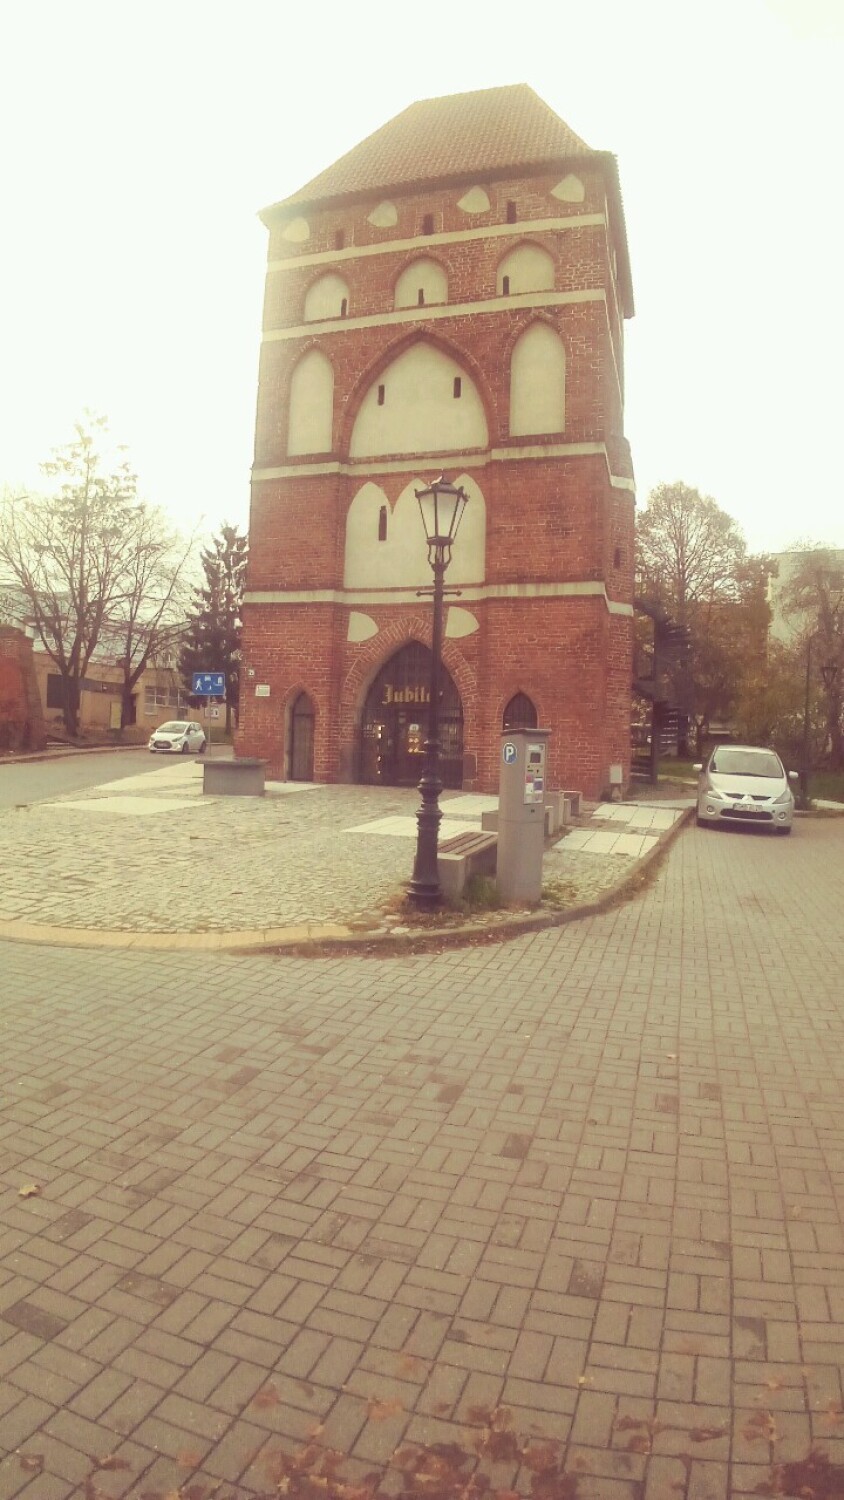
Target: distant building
x=450 y=294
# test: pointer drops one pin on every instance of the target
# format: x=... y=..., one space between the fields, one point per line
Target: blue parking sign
x=209 y=684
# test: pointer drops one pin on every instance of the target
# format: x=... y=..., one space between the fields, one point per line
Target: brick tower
x=449 y=295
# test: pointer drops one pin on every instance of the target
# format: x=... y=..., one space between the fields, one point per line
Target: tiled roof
x=455 y=136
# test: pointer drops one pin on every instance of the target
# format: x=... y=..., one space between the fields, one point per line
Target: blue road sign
x=508 y=753
x=209 y=684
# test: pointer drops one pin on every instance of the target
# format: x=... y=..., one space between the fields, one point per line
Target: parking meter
x=521 y=813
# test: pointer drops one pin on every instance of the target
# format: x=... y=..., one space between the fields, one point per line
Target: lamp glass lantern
x=441 y=507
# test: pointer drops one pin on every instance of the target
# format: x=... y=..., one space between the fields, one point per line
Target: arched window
x=520 y=713
x=301 y=750
x=420 y=284
x=327 y=298
x=311 y=412
x=527 y=268
x=537 y=382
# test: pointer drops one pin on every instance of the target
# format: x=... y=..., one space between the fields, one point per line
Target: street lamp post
x=441 y=507
x=804 y=759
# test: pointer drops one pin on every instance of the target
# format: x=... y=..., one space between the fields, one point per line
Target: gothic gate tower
x=450 y=295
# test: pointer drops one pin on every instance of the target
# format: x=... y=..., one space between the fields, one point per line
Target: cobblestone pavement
x=588 y=1183
x=151 y=854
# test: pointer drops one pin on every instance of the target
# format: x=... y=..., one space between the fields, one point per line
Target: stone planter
x=234 y=778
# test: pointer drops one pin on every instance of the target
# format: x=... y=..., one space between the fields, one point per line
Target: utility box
x=521 y=813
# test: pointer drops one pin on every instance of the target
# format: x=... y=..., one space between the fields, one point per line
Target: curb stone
x=316 y=939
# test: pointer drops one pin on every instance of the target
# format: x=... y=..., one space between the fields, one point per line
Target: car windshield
x=728 y=762
x=172 y=729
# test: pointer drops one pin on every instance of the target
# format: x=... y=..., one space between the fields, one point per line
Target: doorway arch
x=394 y=723
x=300 y=754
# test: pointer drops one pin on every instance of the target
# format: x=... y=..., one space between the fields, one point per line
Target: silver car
x=744 y=784
x=178 y=738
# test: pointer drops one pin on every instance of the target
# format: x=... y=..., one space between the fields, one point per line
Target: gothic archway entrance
x=395 y=719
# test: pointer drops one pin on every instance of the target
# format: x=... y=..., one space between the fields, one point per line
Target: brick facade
x=553 y=611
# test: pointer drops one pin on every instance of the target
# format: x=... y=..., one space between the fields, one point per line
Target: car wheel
x=702 y=822
x=185 y=748
x=203 y=747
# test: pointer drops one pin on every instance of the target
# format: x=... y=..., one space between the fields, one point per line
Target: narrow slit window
x=428 y=224
x=420 y=297
x=457 y=387
x=381 y=394
x=511 y=211
x=344 y=307
x=339 y=239
x=505 y=286
x=617 y=558
x=382 y=524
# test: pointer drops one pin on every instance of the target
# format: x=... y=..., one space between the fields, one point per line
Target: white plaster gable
x=538 y=382
x=297 y=231
x=569 y=190
x=384 y=216
x=418 y=411
x=425 y=276
x=311 y=408
x=401 y=560
x=460 y=622
x=476 y=201
x=324 y=299
x=361 y=627
x=528 y=268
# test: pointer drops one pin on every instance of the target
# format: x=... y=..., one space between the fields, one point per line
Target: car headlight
x=783 y=797
x=710 y=793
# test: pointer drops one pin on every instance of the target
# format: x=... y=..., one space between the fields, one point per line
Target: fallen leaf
x=111 y=1461
x=188 y=1459
x=32 y=1463
x=267 y=1396
x=706 y=1434
x=641 y=1443
x=379 y=1411
x=586 y=1380
x=29 y=1190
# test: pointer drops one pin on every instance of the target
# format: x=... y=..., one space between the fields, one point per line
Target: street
x=572 y=1204
x=35 y=780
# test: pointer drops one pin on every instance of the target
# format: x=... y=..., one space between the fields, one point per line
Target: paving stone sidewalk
x=151 y=854
x=570 y=1207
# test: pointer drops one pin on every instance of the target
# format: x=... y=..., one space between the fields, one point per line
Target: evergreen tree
x=212 y=643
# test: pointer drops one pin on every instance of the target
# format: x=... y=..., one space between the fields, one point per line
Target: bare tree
x=97 y=568
x=67 y=553
x=154 y=598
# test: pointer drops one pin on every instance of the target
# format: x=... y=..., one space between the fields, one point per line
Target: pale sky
x=141 y=139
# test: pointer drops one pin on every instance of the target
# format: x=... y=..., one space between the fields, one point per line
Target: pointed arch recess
x=371 y=378
x=310 y=408
x=372 y=656
x=537 y=381
x=423 y=401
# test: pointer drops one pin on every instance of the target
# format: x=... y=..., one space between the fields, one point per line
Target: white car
x=178 y=738
x=745 y=784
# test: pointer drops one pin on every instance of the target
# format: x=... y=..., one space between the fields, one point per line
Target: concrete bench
x=234 y=778
x=465 y=855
